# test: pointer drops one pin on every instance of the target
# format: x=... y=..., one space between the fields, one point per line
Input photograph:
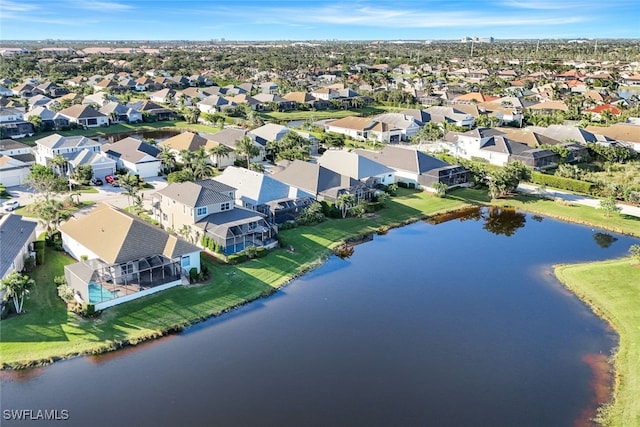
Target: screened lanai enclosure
x=452 y=176
x=97 y=282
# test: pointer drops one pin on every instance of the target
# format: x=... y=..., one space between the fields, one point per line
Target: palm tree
x=247 y=148
x=218 y=152
x=168 y=158
x=344 y=202
x=17 y=287
x=58 y=163
x=130 y=184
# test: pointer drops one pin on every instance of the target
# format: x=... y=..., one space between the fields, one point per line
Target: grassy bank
x=624 y=224
x=612 y=289
x=48 y=332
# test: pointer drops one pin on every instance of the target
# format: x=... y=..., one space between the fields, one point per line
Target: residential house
x=362 y=129
x=260 y=192
x=214 y=104
x=188 y=141
x=138 y=157
x=24 y=90
x=101 y=164
x=39 y=101
x=548 y=107
x=13 y=125
x=575 y=134
x=362 y=168
x=16 y=159
x=323 y=183
x=268 y=101
x=325 y=93
x=5 y=91
x=600 y=112
x=230 y=137
x=407 y=124
x=270 y=132
x=494 y=147
x=119 y=113
x=205 y=210
x=452 y=115
x=13 y=171
x=16 y=240
x=107 y=85
x=624 y=133
x=269 y=87
x=164 y=96
x=49 y=147
x=126 y=257
x=418 y=169
x=151 y=111
x=51 y=120
x=302 y=98
x=85 y=116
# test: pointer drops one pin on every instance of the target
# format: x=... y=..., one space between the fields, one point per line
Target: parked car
x=112 y=179
x=96 y=181
x=10 y=205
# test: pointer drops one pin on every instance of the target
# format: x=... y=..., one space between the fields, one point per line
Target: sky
x=317 y=20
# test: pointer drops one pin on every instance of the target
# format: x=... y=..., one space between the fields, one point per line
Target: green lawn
x=612 y=289
x=125 y=127
x=624 y=224
x=47 y=332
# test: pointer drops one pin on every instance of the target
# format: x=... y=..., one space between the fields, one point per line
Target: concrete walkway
x=574 y=198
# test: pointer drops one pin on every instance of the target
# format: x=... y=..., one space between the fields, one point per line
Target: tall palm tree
x=247 y=148
x=218 y=152
x=168 y=159
x=58 y=163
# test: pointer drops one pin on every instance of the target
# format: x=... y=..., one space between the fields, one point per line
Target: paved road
x=575 y=198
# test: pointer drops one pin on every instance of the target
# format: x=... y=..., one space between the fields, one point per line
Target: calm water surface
x=456 y=324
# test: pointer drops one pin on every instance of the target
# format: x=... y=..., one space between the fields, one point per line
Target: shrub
x=251 y=252
x=312 y=214
x=88 y=310
x=441 y=188
x=66 y=293
x=193 y=275
x=561 y=183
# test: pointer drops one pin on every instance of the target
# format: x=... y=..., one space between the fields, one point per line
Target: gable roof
x=620 y=132
x=269 y=132
x=352 y=164
x=228 y=136
x=313 y=178
x=130 y=149
x=184 y=141
x=405 y=159
x=117 y=236
x=197 y=194
x=256 y=186
x=15 y=234
x=79 y=111
x=58 y=141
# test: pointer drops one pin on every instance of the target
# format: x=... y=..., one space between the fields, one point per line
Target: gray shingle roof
x=404 y=159
x=193 y=194
x=14 y=236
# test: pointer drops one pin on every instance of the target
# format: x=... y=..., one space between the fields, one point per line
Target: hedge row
x=561 y=183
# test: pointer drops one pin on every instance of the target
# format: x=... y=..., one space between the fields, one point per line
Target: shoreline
x=606 y=307
x=349 y=236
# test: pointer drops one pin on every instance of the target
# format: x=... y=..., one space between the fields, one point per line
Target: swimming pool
x=99 y=294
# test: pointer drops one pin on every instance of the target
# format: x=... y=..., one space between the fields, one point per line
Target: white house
x=138 y=157
x=362 y=128
x=85 y=116
x=100 y=163
x=48 y=147
x=12 y=171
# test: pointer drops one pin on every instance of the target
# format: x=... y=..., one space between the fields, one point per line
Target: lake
x=157 y=135
x=460 y=323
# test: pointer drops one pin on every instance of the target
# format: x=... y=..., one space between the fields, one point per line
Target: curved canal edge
x=612 y=291
x=304 y=262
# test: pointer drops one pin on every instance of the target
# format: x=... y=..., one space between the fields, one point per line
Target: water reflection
x=497 y=220
x=604 y=240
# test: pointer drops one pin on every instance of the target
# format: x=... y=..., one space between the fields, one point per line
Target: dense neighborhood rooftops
x=116 y=236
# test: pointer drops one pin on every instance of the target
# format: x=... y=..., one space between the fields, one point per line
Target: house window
x=164 y=217
x=225 y=206
x=201 y=211
x=186 y=261
x=126 y=268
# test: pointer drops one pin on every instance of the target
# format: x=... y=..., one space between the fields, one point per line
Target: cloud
x=103 y=6
x=9 y=6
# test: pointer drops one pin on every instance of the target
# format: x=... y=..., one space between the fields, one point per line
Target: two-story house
x=13 y=125
x=363 y=128
x=205 y=210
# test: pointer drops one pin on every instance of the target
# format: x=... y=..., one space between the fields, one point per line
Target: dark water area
x=460 y=323
x=156 y=135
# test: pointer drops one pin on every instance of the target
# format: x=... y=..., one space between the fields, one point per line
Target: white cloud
x=103 y=6
x=9 y=6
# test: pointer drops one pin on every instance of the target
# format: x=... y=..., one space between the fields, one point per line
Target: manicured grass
x=26 y=209
x=47 y=332
x=565 y=211
x=126 y=127
x=612 y=289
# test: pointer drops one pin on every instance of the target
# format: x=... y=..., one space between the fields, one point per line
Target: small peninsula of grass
x=48 y=332
x=612 y=290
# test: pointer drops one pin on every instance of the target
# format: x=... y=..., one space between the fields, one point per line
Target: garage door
x=10 y=180
x=101 y=173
